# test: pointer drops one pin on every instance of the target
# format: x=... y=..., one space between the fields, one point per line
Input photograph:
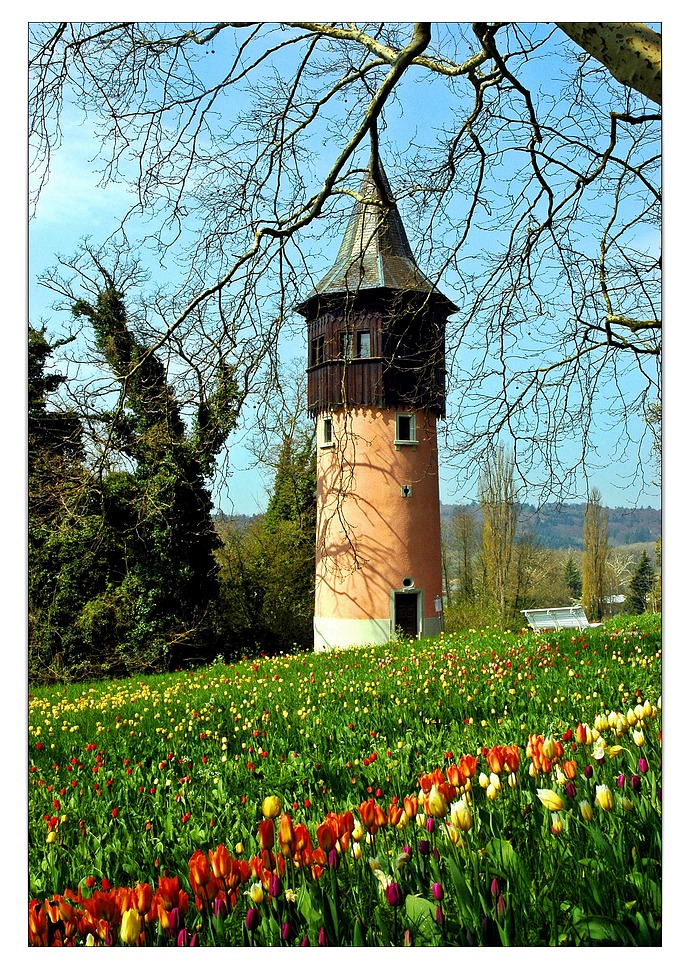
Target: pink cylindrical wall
x=371 y=539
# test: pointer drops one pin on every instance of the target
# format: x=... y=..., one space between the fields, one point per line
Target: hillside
x=561 y=526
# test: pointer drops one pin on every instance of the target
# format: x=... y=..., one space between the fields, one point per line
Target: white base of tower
x=343 y=633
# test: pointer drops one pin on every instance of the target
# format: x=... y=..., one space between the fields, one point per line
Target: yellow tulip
x=550 y=799
x=483 y=780
x=492 y=792
x=495 y=780
x=557 y=826
x=638 y=737
x=52 y=836
x=626 y=803
x=256 y=893
x=461 y=816
x=131 y=926
x=549 y=748
x=604 y=797
x=437 y=806
x=271 y=806
x=586 y=810
x=613 y=750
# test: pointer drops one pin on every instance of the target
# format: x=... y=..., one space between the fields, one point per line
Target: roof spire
x=375 y=252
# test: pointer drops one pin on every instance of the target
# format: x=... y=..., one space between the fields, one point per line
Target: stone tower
x=376 y=386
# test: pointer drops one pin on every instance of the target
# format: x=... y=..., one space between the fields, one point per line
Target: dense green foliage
x=122 y=575
x=128 y=779
x=641 y=584
x=266 y=600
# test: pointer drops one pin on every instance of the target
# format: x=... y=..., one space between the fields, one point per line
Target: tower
x=376 y=387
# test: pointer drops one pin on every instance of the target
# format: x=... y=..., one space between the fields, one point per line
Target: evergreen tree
x=641 y=584
x=594 y=556
x=572 y=578
x=128 y=579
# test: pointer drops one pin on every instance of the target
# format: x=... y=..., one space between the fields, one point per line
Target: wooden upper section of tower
x=376 y=323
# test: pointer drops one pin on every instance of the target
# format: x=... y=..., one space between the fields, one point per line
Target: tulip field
x=479 y=789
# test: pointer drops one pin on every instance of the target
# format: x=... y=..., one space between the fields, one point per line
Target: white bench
x=561 y=617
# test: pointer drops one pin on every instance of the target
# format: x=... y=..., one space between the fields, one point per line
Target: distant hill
x=561 y=526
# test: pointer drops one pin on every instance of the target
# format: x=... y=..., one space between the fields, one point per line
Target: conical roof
x=375 y=252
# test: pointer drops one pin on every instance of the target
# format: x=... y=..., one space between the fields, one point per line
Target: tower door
x=406 y=617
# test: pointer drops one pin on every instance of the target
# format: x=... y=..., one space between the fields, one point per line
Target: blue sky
x=93 y=211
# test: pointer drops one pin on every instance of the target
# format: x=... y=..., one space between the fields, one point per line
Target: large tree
x=122 y=574
x=498 y=500
x=533 y=197
x=595 y=556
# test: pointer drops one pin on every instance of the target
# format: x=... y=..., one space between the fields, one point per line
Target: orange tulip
x=267 y=833
x=143 y=897
x=581 y=733
x=199 y=872
x=394 y=814
x=411 y=806
x=286 y=834
x=38 y=926
x=512 y=758
x=468 y=764
x=220 y=862
x=326 y=835
x=569 y=769
x=495 y=759
x=456 y=776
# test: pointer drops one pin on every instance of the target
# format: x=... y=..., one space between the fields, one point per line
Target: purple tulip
x=424 y=847
x=305 y=942
x=430 y=825
x=194 y=941
x=275 y=887
x=175 y=919
x=285 y=931
x=220 y=909
x=620 y=780
x=333 y=858
x=394 y=895
x=570 y=789
x=495 y=887
x=635 y=783
x=252 y=920
x=183 y=938
x=589 y=770
x=437 y=890
x=643 y=765
x=323 y=938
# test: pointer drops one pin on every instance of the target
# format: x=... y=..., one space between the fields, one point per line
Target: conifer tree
x=641 y=584
x=594 y=556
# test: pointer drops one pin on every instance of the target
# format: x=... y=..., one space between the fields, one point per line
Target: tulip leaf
x=305 y=907
x=422 y=914
x=600 y=928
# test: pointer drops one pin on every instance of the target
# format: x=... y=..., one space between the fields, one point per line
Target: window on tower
x=364 y=343
x=327 y=432
x=405 y=429
x=317 y=354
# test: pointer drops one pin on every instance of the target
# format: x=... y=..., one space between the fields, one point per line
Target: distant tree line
x=494 y=567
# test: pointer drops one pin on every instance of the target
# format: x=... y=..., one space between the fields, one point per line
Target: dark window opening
x=364 y=343
x=317 y=351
